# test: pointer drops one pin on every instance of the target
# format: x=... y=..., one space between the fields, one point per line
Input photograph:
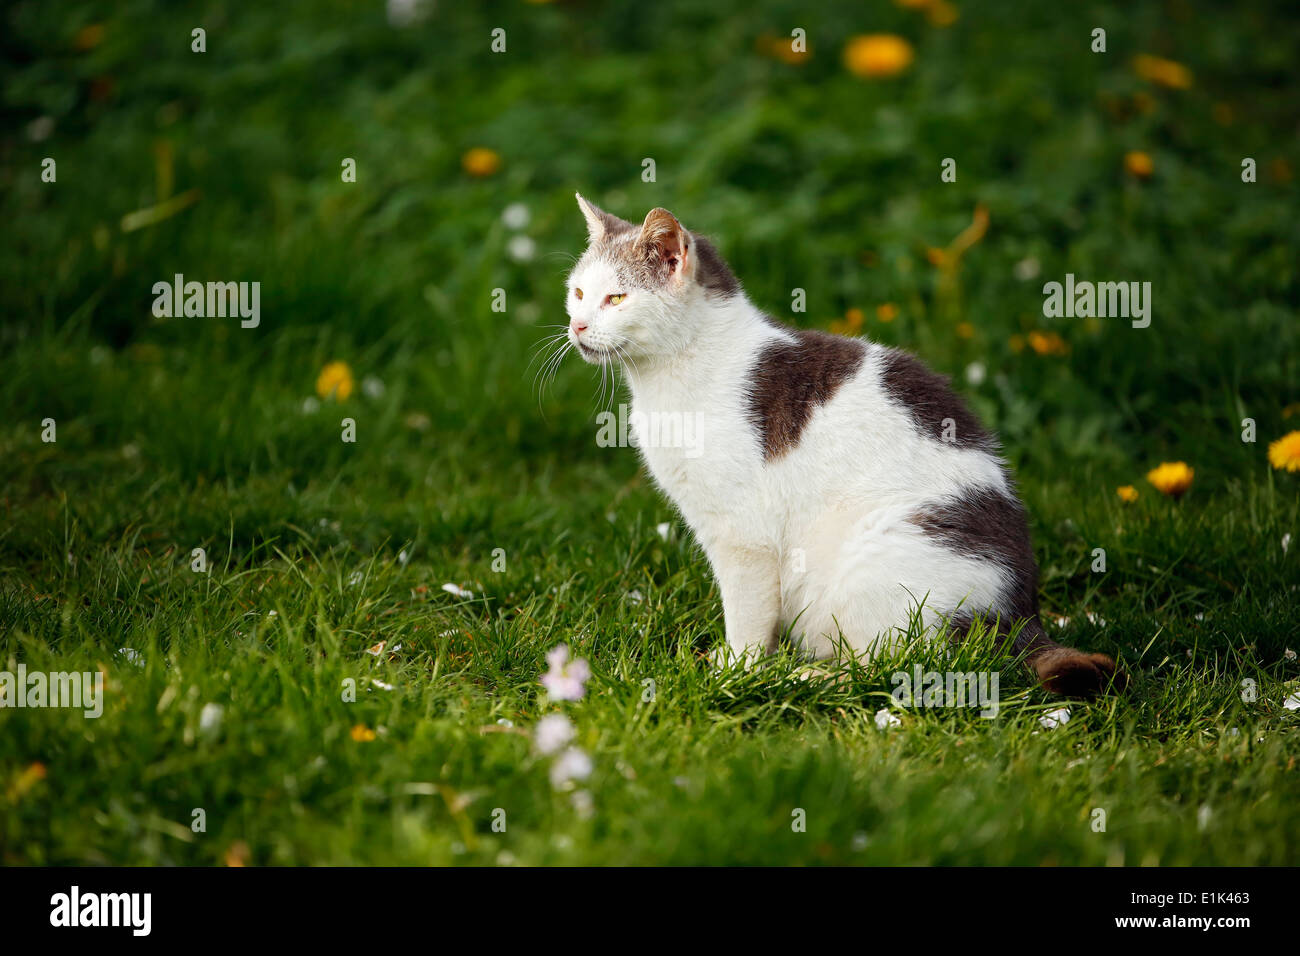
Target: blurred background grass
x=807 y=175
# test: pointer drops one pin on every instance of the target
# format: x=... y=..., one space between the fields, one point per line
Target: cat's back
x=853 y=418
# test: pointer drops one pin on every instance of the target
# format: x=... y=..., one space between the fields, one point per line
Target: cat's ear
x=665 y=243
x=599 y=223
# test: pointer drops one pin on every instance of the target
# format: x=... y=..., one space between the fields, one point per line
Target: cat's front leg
x=751 y=600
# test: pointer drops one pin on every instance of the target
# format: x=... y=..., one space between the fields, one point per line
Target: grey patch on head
x=993 y=526
x=614 y=226
x=790 y=379
x=936 y=409
x=618 y=250
x=642 y=270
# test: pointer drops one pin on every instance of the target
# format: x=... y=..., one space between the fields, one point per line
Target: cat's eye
x=616 y=298
x=578 y=293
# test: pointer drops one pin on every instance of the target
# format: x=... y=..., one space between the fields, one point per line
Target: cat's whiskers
x=600 y=398
x=540 y=349
x=546 y=342
x=552 y=365
x=553 y=348
x=625 y=360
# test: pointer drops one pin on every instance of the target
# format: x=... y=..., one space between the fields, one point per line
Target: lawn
x=313 y=694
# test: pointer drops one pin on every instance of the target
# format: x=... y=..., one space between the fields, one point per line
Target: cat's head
x=627 y=294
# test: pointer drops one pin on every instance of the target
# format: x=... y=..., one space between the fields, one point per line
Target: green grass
x=187 y=433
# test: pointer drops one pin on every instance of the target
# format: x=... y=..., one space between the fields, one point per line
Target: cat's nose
x=578 y=325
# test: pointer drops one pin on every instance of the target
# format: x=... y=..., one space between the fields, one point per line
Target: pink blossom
x=566 y=679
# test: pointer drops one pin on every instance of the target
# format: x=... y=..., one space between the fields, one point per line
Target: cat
x=838 y=487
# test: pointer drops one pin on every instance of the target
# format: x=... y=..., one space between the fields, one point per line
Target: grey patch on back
x=930 y=400
x=990 y=525
x=790 y=379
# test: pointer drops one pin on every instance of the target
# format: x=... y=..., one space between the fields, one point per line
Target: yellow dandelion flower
x=335 y=381
x=237 y=854
x=877 y=55
x=965 y=330
x=1127 y=493
x=783 y=49
x=362 y=734
x=1017 y=343
x=1048 y=343
x=1138 y=163
x=1171 y=478
x=481 y=162
x=1158 y=70
x=1292 y=409
x=887 y=312
x=1285 y=452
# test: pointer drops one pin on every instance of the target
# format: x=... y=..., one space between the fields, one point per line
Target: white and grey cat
x=834 y=484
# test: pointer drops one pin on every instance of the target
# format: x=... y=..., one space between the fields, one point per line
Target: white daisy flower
x=1055 y=718
x=573 y=764
x=515 y=216
x=553 y=733
x=210 y=719
x=521 y=248
x=565 y=680
x=1026 y=269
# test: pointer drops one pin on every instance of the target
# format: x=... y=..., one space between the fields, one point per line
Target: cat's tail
x=1064 y=670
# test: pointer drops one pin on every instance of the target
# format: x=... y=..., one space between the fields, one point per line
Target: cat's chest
x=698 y=443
